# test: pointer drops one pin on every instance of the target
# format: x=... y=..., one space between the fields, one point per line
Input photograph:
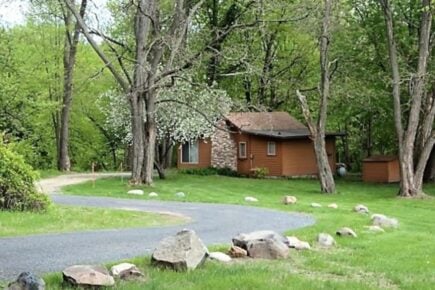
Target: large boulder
x=242 y=240
x=263 y=244
x=267 y=249
x=27 y=281
x=184 y=251
x=88 y=276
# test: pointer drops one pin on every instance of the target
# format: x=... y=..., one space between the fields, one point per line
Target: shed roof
x=381 y=158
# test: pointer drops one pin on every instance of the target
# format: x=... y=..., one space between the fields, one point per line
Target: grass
x=70 y=219
x=402 y=258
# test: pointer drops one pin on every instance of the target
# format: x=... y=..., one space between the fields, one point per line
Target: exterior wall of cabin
x=299 y=158
x=204 y=156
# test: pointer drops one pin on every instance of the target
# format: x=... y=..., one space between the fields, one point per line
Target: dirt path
x=53 y=184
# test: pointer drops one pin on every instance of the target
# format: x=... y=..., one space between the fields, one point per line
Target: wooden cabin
x=272 y=140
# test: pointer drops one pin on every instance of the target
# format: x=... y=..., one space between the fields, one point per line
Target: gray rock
x=267 y=249
x=346 y=232
x=221 y=257
x=153 y=194
x=315 y=204
x=263 y=244
x=126 y=271
x=360 y=208
x=180 y=194
x=325 y=240
x=135 y=192
x=237 y=252
x=375 y=229
x=333 y=205
x=294 y=242
x=242 y=240
x=384 y=221
x=251 y=199
x=87 y=275
x=27 y=281
x=184 y=251
x=289 y=199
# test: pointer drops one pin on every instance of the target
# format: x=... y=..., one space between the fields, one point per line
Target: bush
x=225 y=171
x=259 y=172
x=17 y=188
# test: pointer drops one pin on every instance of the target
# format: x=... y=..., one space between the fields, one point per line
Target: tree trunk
x=151 y=136
x=69 y=59
x=411 y=177
x=327 y=183
x=137 y=107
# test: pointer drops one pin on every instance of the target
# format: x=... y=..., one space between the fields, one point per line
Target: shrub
x=17 y=188
x=259 y=172
x=225 y=171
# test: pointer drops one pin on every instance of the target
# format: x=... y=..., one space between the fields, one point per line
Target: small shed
x=381 y=168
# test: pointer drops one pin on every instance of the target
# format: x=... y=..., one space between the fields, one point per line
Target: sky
x=12 y=12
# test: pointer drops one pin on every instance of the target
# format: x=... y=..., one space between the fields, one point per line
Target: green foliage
x=259 y=172
x=17 y=188
x=225 y=171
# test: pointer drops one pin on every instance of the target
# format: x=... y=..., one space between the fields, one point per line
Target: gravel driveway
x=214 y=223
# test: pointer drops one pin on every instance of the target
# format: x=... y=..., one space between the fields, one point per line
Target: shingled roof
x=267 y=121
x=270 y=124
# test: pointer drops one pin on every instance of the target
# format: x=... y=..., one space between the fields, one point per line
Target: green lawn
x=402 y=258
x=69 y=219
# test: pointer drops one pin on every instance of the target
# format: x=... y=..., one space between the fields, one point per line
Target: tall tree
x=327 y=183
x=72 y=34
x=412 y=172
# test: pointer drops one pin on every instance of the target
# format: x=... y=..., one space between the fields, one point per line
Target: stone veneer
x=223 y=149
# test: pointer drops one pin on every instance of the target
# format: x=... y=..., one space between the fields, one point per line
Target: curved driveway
x=214 y=223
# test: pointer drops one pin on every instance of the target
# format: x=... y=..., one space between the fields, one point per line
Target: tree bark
x=69 y=60
x=327 y=183
x=411 y=177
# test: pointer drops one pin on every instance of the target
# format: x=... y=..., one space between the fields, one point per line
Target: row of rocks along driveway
x=214 y=223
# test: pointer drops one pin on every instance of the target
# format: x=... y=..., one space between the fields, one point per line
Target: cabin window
x=242 y=149
x=271 y=148
x=189 y=152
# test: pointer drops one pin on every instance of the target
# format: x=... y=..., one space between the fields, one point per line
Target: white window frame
x=190 y=157
x=269 y=147
x=240 y=151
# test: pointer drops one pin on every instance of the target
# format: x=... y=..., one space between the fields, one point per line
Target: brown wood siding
x=243 y=164
x=260 y=159
x=381 y=171
x=256 y=155
x=393 y=171
x=204 y=156
x=299 y=158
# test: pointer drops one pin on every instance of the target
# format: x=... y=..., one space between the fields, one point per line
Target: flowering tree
x=184 y=112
